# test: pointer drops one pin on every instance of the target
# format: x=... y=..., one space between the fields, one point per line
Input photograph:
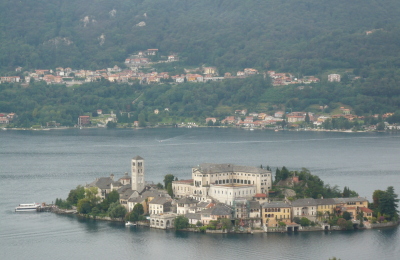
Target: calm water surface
x=39 y=166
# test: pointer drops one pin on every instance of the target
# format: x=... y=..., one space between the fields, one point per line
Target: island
x=224 y=198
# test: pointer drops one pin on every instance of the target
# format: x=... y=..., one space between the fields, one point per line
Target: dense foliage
x=40 y=103
x=303 y=36
x=385 y=204
x=309 y=185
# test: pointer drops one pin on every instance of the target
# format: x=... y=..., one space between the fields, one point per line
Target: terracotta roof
x=366 y=210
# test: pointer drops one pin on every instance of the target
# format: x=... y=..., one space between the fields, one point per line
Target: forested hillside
x=299 y=36
x=359 y=39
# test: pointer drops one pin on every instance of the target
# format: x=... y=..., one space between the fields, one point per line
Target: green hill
x=303 y=36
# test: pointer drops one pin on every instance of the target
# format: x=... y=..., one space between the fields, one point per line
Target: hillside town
x=138 y=67
x=237 y=194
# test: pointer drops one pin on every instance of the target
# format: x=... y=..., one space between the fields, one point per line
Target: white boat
x=128 y=223
x=27 y=207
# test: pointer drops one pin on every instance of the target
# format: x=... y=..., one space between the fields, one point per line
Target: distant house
x=334 y=78
x=275 y=212
x=160 y=205
x=185 y=204
x=212 y=119
x=83 y=120
x=209 y=70
x=279 y=114
x=152 y=52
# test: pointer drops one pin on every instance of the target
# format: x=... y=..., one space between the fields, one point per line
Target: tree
x=91 y=195
x=138 y=209
x=116 y=210
x=307 y=118
x=305 y=222
x=388 y=203
x=76 y=194
x=84 y=206
x=226 y=223
x=181 y=222
x=160 y=186
x=169 y=190
x=169 y=178
x=376 y=197
x=346 y=215
x=113 y=196
x=111 y=124
x=341 y=222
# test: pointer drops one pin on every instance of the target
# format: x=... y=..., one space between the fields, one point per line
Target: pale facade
x=182 y=188
x=137 y=169
x=334 y=78
x=229 y=192
x=165 y=221
x=305 y=208
x=225 y=176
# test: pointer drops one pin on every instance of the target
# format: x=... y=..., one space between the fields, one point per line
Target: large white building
x=230 y=180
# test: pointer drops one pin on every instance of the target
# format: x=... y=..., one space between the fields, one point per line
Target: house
x=325 y=207
x=334 y=78
x=279 y=114
x=83 y=120
x=367 y=213
x=229 y=120
x=275 y=212
x=260 y=197
x=151 y=52
x=160 y=205
x=305 y=208
x=209 y=70
x=103 y=185
x=217 y=212
x=250 y=71
x=212 y=119
x=185 y=204
x=182 y=188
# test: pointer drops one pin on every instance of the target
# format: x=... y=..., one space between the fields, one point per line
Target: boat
x=128 y=223
x=27 y=207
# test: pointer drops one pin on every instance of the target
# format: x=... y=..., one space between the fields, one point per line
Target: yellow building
x=325 y=207
x=275 y=212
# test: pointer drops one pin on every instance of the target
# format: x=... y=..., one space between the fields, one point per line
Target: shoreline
x=239 y=128
x=388 y=225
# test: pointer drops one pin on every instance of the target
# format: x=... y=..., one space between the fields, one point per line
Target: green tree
x=76 y=194
x=226 y=223
x=91 y=195
x=169 y=190
x=113 y=196
x=388 y=203
x=116 y=210
x=138 y=209
x=111 y=124
x=346 y=215
x=305 y=222
x=84 y=206
x=169 y=178
x=181 y=222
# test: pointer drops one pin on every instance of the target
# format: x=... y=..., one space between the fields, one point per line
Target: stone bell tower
x=137 y=169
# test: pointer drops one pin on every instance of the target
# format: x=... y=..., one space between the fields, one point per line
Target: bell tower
x=137 y=169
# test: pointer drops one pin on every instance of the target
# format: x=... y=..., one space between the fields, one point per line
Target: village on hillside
x=223 y=198
x=135 y=66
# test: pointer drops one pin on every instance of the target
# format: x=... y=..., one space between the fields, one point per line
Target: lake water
x=39 y=166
